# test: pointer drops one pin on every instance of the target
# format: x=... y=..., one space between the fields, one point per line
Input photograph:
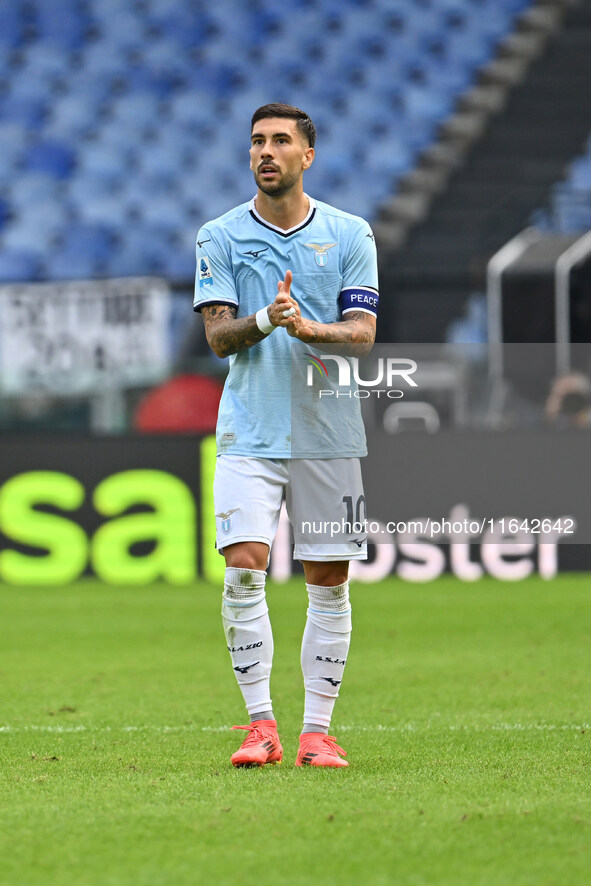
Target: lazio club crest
x=320 y=252
x=226 y=519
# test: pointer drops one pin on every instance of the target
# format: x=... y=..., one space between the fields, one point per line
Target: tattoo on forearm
x=354 y=333
x=225 y=334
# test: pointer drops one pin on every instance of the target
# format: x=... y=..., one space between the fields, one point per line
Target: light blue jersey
x=270 y=407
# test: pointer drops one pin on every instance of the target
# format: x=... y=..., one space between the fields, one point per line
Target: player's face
x=278 y=155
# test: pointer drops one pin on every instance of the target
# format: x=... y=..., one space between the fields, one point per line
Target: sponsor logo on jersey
x=320 y=252
x=205 y=275
x=256 y=252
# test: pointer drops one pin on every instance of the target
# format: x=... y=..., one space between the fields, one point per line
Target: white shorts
x=324 y=499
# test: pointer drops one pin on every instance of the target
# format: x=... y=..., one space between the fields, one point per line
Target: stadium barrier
x=131 y=510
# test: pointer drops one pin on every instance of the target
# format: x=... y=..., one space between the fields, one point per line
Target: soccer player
x=276 y=277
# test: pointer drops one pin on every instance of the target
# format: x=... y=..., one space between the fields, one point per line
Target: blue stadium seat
x=90 y=186
x=163 y=213
x=61 y=27
x=29 y=112
x=28 y=189
x=138 y=108
x=160 y=157
x=127 y=262
x=12 y=25
x=93 y=240
x=37 y=229
x=471 y=48
x=366 y=113
x=570 y=204
x=71 y=265
x=109 y=209
x=84 y=251
x=450 y=80
x=142 y=187
x=114 y=137
x=41 y=64
x=19 y=265
x=98 y=85
x=355 y=200
x=149 y=248
x=423 y=22
x=105 y=59
x=51 y=157
x=189 y=28
x=331 y=168
x=192 y=110
x=74 y=116
x=121 y=29
x=4 y=212
x=13 y=139
x=109 y=164
x=160 y=81
x=388 y=157
x=580 y=174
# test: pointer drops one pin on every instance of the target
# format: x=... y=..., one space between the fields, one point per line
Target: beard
x=277 y=188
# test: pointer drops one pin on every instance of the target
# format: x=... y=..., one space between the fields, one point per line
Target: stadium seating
x=570 y=202
x=134 y=117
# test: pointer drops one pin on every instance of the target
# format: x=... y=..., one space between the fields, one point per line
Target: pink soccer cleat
x=318 y=749
x=260 y=746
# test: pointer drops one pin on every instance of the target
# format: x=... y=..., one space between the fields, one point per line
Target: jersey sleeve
x=359 y=290
x=214 y=280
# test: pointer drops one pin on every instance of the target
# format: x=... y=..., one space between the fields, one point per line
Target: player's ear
x=309 y=157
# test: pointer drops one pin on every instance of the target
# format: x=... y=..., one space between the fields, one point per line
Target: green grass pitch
x=464 y=711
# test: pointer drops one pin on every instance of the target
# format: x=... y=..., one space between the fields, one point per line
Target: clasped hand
x=295 y=325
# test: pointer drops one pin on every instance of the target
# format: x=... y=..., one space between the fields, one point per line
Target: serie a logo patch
x=205 y=275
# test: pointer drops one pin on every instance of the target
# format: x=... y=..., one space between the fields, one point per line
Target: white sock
x=247 y=627
x=325 y=647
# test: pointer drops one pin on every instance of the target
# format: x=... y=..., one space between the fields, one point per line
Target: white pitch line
x=401 y=728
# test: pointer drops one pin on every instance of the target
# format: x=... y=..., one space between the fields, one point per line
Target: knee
x=327 y=575
x=247 y=555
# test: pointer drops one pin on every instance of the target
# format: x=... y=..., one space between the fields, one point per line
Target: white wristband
x=263 y=322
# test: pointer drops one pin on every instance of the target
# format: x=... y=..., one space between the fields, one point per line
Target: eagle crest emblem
x=320 y=252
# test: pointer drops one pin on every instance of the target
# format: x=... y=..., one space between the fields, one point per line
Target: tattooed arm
x=227 y=335
x=354 y=335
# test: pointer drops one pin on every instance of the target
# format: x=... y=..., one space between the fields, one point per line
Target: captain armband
x=359 y=298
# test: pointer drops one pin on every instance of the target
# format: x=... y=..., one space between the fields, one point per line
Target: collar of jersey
x=290 y=231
